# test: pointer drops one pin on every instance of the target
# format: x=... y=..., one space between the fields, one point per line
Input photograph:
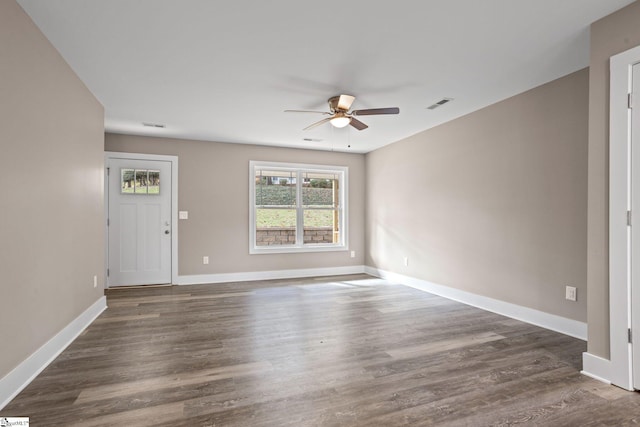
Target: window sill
x=281 y=249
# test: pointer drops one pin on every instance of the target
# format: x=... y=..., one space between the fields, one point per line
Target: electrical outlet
x=406 y=261
x=571 y=293
x=353 y=254
x=95 y=281
x=205 y=260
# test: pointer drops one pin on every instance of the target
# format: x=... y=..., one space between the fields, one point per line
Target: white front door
x=139 y=222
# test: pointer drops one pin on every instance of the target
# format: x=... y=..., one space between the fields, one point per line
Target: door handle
x=166 y=231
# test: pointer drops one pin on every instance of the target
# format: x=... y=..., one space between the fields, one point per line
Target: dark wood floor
x=346 y=351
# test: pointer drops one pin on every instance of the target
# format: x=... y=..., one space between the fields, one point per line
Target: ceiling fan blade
x=306 y=111
x=345 y=101
x=357 y=124
x=374 y=111
x=318 y=123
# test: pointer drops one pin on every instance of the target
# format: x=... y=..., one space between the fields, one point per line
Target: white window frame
x=299 y=169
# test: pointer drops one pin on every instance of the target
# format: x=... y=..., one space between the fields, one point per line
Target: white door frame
x=174 y=205
x=619 y=204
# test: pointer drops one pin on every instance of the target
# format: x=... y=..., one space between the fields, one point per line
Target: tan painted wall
x=213 y=181
x=51 y=202
x=493 y=203
x=613 y=34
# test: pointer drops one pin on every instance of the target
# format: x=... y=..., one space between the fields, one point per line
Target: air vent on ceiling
x=153 y=125
x=439 y=103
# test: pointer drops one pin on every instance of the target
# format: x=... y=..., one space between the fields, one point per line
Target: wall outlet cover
x=571 y=293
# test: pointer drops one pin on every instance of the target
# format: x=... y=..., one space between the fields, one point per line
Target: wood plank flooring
x=339 y=351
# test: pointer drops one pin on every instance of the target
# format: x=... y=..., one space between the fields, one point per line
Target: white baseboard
x=596 y=367
x=560 y=324
x=199 y=279
x=20 y=377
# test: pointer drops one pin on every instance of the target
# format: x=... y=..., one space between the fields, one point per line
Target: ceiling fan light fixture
x=340 y=115
x=340 y=120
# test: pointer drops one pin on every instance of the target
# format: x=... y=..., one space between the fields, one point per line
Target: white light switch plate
x=183 y=215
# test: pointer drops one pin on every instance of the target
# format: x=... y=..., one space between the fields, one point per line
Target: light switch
x=571 y=293
x=183 y=215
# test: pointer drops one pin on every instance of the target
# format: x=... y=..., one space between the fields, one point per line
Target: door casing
x=620 y=201
x=634 y=122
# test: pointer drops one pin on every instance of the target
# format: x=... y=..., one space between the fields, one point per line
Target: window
x=137 y=181
x=297 y=208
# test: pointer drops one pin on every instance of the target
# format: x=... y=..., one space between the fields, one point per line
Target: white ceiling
x=225 y=70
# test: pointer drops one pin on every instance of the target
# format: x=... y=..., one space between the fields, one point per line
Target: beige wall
x=613 y=34
x=493 y=203
x=51 y=203
x=213 y=181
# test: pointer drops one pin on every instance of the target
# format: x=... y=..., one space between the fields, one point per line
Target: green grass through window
x=275 y=218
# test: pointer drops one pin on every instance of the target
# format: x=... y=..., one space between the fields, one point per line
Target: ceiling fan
x=341 y=116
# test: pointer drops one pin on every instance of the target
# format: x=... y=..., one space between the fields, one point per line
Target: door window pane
x=127 y=180
x=154 y=182
x=139 y=181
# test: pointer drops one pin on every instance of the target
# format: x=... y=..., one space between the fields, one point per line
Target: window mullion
x=299 y=210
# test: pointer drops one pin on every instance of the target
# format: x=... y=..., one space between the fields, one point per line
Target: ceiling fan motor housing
x=333 y=103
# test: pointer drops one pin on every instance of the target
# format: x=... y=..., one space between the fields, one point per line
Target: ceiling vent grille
x=439 y=103
x=153 y=125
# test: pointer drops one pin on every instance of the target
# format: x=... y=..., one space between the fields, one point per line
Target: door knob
x=166 y=231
